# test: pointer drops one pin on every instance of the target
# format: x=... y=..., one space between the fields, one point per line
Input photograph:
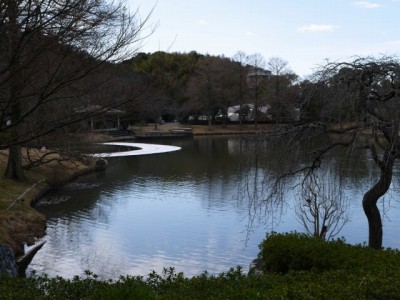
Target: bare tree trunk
x=374 y=221
x=371 y=198
x=242 y=60
x=14 y=165
x=256 y=101
x=240 y=98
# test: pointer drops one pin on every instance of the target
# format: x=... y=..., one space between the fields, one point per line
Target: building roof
x=259 y=72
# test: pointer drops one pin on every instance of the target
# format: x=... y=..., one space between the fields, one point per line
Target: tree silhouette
x=55 y=56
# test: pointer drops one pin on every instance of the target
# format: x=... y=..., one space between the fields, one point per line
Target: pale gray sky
x=303 y=32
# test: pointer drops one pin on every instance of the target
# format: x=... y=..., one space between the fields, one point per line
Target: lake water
x=178 y=209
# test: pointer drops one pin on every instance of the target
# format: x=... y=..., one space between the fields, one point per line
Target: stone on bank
x=8 y=265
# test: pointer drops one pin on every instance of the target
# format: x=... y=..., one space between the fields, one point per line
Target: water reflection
x=176 y=209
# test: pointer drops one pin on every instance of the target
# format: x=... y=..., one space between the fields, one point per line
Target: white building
x=234 y=112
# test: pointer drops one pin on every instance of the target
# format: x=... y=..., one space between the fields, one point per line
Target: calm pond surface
x=178 y=209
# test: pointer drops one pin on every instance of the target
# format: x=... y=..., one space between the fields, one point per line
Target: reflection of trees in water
x=270 y=176
x=205 y=156
x=81 y=195
x=216 y=170
x=221 y=166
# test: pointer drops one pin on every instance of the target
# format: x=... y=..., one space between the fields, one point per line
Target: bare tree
x=212 y=86
x=226 y=84
x=284 y=94
x=52 y=56
x=321 y=207
x=279 y=67
x=257 y=62
x=371 y=86
x=242 y=59
x=202 y=87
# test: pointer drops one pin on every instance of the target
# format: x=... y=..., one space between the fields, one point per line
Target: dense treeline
x=204 y=85
x=74 y=66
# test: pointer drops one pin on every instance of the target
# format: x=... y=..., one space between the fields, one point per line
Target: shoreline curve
x=144 y=149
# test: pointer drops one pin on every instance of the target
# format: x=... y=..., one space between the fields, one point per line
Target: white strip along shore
x=144 y=149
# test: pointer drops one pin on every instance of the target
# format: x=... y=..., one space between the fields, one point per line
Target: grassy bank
x=216 y=129
x=19 y=222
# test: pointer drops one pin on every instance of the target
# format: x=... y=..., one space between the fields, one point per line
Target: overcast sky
x=303 y=32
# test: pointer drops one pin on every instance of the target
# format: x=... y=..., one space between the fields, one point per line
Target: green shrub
x=306 y=268
x=282 y=253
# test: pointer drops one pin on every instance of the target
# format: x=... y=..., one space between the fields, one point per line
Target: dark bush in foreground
x=296 y=251
x=304 y=268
